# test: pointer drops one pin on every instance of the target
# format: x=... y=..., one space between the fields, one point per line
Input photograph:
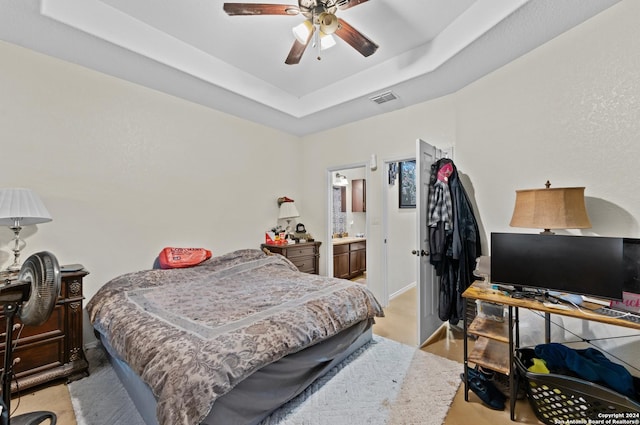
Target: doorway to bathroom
x=346 y=253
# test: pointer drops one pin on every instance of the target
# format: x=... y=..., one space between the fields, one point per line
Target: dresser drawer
x=304 y=255
x=305 y=264
x=39 y=356
x=302 y=251
x=53 y=325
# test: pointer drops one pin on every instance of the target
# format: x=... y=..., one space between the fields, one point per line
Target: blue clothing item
x=589 y=364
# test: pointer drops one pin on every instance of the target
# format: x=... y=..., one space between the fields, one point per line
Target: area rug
x=383 y=383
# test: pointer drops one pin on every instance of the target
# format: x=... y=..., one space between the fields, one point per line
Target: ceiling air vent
x=383 y=97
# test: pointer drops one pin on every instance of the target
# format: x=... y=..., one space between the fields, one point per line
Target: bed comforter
x=193 y=334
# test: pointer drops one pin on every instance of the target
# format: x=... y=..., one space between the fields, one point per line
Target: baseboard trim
x=402 y=291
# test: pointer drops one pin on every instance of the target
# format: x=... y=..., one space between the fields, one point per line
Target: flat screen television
x=631 y=262
x=587 y=265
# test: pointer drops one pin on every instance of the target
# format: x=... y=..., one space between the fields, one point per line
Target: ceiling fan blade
x=295 y=54
x=346 y=4
x=355 y=38
x=233 y=9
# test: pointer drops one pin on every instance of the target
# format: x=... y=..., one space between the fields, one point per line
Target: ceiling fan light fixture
x=302 y=31
x=328 y=23
x=327 y=41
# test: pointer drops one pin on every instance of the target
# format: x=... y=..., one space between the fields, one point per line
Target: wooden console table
x=497 y=341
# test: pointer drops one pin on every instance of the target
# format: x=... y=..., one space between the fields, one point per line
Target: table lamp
x=550 y=208
x=288 y=211
x=20 y=207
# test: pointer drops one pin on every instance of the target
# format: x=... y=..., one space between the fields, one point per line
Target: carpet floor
x=383 y=383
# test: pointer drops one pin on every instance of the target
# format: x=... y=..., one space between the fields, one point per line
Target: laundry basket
x=559 y=399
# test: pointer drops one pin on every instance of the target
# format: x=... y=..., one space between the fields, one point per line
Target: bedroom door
x=427 y=283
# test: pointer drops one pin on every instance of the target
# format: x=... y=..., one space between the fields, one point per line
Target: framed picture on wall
x=407 y=190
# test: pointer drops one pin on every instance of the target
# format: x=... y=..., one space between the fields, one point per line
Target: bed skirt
x=256 y=397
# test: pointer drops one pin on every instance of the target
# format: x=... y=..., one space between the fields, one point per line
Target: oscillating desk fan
x=32 y=297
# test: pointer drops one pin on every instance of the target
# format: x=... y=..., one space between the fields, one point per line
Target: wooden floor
x=399 y=325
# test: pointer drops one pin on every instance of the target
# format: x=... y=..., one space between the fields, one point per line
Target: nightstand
x=305 y=256
x=54 y=349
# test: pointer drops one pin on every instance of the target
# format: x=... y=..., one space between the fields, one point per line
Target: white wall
x=568 y=111
x=400 y=236
x=98 y=149
x=126 y=171
x=389 y=136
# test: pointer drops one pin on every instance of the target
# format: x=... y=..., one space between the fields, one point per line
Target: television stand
x=498 y=341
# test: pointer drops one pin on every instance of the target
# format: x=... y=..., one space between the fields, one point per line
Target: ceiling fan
x=320 y=23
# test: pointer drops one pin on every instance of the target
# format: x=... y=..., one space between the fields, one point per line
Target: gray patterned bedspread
x=193 y=334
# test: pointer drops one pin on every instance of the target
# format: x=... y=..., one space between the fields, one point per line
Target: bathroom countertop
x=348 y=239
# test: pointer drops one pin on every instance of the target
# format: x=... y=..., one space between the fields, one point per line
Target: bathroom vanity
x=349 y=257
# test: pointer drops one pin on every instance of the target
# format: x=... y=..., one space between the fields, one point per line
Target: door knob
x=422 y=253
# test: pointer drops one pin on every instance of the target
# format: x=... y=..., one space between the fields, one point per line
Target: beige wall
x=390 y=136
x=568 y=112
x=126 y=171
x=111 y=159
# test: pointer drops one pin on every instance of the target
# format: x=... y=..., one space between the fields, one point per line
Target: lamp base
x=17 y=242
x=15 y=267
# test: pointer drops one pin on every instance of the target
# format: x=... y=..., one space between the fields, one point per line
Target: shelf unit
x=494 y=338
x=491 y=349
x=494 y=348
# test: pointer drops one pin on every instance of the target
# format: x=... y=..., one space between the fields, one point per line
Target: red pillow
x=172 y=258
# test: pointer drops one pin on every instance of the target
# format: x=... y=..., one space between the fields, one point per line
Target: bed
x=230 y=340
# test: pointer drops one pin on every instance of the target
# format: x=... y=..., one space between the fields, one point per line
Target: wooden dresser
x=305 y=256
x=54 y=349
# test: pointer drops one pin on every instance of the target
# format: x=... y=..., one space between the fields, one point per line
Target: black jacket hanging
x=454 y=239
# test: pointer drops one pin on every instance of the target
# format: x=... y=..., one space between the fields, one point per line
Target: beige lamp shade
x=550 y=208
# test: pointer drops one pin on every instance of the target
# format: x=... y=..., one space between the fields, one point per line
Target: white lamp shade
x=288 y=210
x=327 y=41
x=303 y=31
x=22 y=205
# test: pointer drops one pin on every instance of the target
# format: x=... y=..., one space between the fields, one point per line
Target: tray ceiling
x=235 y=64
